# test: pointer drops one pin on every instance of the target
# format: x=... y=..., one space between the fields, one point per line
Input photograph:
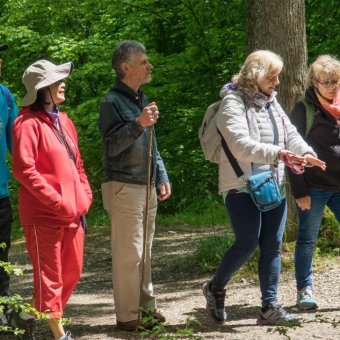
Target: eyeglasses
x=329 y=83
x=60 y=81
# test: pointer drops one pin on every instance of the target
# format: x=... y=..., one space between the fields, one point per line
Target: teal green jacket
x=8 y=113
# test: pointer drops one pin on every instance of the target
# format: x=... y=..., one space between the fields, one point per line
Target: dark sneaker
x=3 y=321
x=274 y=314
x=129 y=326
x=305 y=299
x=215 y=303
x=22 y=321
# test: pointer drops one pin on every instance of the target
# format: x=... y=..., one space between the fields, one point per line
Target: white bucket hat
x=41 y=74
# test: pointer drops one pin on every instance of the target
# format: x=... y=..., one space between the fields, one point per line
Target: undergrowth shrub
x=329 y=237
x=15 y=303
x=210 y=251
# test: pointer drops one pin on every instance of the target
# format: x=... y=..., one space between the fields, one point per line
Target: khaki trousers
x=125 y=204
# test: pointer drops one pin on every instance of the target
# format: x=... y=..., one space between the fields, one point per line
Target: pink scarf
x=334 y=107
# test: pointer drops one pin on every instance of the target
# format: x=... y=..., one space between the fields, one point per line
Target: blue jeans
x=5 y=237
x=309 y=227
x=253 y=228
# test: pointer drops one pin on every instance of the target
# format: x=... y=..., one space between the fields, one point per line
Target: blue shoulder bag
x=264 y=190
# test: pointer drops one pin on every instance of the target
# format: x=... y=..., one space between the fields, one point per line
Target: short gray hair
x=122 y=54
x=325 y=65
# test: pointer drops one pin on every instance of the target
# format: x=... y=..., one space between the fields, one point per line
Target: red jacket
x=53 y=190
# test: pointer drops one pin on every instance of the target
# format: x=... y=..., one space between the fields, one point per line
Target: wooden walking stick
x=146 y=211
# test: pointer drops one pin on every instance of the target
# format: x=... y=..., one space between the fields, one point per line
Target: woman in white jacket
x=260 y=137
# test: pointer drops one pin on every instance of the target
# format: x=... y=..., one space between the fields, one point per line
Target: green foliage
x=210 y=251
x=9 y=269
x=188 y=331
x=195 y=47
x=283 y=330
x=151 y=329
x=319 y=317
x=322 y=25
x=329 y=237
x=15 y=302
x=205 y=211
x=194 y=52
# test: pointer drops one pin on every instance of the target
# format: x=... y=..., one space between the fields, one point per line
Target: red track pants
x=57 y=258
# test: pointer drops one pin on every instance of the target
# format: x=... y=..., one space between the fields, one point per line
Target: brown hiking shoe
x=129 y=326
x=155 y=314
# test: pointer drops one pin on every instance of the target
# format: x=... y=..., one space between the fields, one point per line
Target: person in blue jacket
x=8 y=113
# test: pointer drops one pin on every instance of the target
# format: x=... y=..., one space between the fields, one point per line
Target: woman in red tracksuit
x=54 y=191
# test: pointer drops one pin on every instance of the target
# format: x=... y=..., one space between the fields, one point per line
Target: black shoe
x=22 y=321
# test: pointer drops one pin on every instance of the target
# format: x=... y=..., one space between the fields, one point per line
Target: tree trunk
x=279 y=26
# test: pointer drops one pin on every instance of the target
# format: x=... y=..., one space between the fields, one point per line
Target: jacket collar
x=311 y=96
x=126 y=91
x=39 y=112
x=123 y=87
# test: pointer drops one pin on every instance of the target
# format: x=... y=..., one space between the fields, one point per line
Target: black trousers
x=5 y=237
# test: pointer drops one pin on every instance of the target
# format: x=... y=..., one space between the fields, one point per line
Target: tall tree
x=280 y=26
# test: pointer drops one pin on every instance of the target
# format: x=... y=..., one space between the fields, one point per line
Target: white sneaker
x=67 y=336
x=305 y=298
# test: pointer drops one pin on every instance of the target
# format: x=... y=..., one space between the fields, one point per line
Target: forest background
x=195 y=47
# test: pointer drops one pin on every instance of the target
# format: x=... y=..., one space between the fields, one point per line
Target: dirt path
x=180 y=297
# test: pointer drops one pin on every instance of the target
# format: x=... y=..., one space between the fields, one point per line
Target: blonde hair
x=257 y=66
x=326 y=65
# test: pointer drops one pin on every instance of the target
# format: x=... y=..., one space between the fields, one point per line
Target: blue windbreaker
x=8 y=113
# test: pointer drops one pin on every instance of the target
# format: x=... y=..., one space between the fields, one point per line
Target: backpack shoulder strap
x=232 y=160
x=310 y=113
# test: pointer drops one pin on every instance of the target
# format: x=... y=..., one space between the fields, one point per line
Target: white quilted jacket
x=255 y=146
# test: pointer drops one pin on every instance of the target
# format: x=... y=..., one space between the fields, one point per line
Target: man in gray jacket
x=124 y=122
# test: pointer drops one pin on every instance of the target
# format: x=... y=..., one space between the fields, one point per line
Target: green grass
x=210 y=250
x=202 y=214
